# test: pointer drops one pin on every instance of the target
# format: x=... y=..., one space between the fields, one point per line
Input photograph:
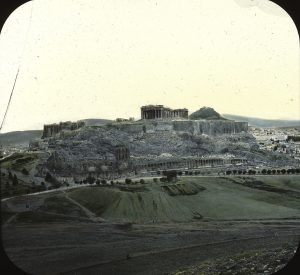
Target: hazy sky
x=104 y=59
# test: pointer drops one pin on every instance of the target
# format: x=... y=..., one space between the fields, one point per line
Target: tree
x=228 y=172
x=283 y=171
x=155 y=179
x=103 y=181
x=264 y=171
x=128 y=181
x=25 y=171
x=179 y=173
x=10 y=176
x=48 y=177
x=142 y=181
x=90 y=179
x=170 y=175
x=97 y=181
x=15 y=180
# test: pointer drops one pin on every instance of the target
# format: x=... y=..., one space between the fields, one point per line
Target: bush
x=155 y=179
x=142 y=181
x=25 y=172
x=48 y=177
x=103 y=181
x=90 y=179
x=128 y=181
x=15 y=180
x=97 y=181
x=228 y=172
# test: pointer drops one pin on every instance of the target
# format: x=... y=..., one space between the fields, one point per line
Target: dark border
x=8 y=6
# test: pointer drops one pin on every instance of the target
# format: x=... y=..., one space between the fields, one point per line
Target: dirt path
x=166 y=261
x=90 y=214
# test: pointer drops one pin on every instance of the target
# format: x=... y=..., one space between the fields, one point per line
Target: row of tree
x=264 y=171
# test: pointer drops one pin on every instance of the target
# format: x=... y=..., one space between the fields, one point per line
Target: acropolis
x=160 y=111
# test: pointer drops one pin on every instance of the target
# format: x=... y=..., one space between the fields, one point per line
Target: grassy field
x=218 y=198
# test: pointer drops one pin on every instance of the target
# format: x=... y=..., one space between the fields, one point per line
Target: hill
x=260 y=122
x=20 y=138
x=198 y=198
x=205 y=113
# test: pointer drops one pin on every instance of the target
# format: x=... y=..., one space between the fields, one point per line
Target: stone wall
x=195 y=127
x=51 y=130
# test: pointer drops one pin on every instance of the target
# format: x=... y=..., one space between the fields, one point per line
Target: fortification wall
x=195 y=127
x=198 y=127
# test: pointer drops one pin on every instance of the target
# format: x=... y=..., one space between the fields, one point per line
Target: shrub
x=25 y=172
x=142 y=181
x=15 y=180
x=128 y=181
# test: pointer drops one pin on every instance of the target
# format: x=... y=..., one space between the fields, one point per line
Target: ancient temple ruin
x=52 y=129
x=159 y=111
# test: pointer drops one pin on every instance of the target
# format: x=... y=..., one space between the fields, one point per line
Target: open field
x=216 y=198
x=153 y=228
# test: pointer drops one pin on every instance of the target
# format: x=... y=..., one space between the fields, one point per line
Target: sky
x=104 y=59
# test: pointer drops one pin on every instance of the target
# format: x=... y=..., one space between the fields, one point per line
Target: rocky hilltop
x=206 y=113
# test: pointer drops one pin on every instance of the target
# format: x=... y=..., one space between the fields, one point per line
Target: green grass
x=221 y=199
x=60 y=205
x=37 y=217
x=18 y=161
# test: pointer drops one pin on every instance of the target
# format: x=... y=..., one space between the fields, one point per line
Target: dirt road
x=106 y=248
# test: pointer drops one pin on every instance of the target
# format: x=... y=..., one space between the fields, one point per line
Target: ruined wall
x=195 y=127
x=198 y=127
x=51 y=130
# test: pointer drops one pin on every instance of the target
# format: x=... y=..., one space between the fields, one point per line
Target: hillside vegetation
x=216 y=198
x=206 y=113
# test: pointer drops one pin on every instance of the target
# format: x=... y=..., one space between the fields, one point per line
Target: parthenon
x=159 y=111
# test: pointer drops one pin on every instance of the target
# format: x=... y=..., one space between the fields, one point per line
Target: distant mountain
x=206 y=113
x=260 y=122
x=19 y=137
x=22 y=138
